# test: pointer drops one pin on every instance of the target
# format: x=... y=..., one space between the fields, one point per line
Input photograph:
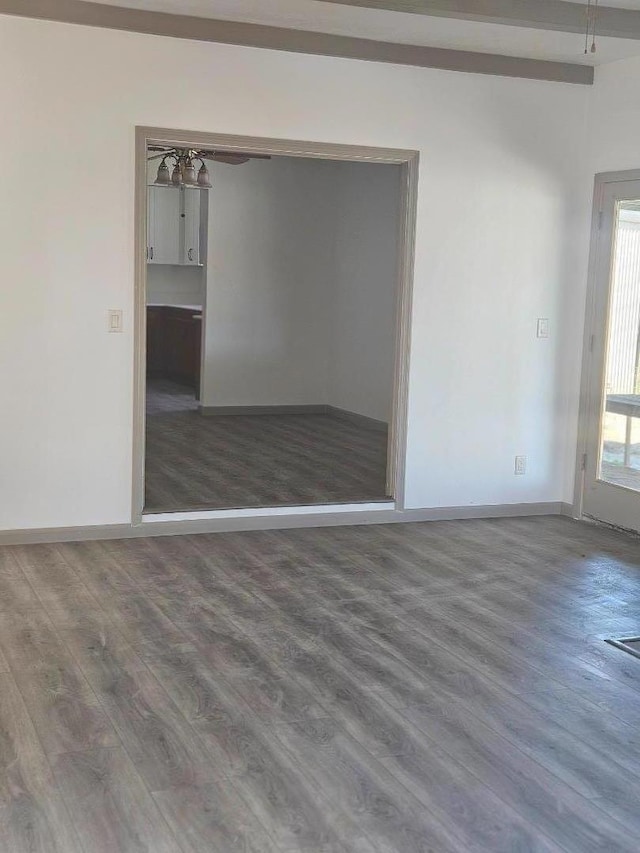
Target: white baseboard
x=260 y=520
x=226 y=515
x=306 y=409
x=570 y=511
x=363 y=421
x=227 y=411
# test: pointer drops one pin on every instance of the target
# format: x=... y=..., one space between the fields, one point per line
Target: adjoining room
x=272 y=285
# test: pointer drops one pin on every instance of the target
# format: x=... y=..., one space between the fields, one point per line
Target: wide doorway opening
x=274 y=329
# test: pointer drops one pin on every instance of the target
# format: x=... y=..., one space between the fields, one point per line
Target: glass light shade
x=176 y=175
x=203 y=177
x=163 y=177
x=189 y=173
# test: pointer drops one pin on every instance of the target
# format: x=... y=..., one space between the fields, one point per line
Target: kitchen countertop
x=170 y=305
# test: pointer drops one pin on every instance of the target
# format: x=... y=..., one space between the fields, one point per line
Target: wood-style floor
x=402 y=688
x=196 y=462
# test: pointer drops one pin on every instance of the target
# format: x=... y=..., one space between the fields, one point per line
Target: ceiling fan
x=184 y=173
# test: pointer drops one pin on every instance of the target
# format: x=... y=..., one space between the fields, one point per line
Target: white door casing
x=607 y=487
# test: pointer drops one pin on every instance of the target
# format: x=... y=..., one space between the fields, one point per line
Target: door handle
x=190 y=254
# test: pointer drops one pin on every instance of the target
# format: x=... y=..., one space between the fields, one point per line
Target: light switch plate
x=520 y=466
x=114 y=321
x=542 y=330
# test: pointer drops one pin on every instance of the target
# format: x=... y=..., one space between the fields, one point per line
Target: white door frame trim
x=591 y=329
x=408 y=159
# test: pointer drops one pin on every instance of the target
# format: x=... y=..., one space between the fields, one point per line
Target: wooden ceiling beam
x=294 y=41
x=554 y=15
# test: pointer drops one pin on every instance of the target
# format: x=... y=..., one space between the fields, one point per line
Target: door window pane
x=620 y=433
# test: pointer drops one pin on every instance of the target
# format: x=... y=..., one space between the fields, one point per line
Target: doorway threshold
x=372 y=507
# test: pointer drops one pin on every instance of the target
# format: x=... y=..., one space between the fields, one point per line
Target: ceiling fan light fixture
x=189 y=174
x=204 y=180
x=176 y=175
x=163 y=177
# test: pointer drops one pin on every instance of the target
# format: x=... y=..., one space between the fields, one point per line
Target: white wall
x=615 y=117
x=501 y=239
x=301 y=278
x=362 y=299
x=267 y=280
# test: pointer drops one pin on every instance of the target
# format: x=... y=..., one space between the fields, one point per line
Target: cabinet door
x=197 y=349
x=155 y=341
x=164 y=225
x=180 y=347
x=191 y=220
x=151 y=225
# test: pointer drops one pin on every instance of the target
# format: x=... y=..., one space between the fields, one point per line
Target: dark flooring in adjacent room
x=428 y=687
x=204 y=462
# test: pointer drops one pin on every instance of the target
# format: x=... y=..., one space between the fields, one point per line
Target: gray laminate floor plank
x=213 y=818
x=385 y=809
x=56 y=583
x=33 y=816
x=63 y=707
x=195 y=462
x=244 y=750
x=164 y=747
x=16 y=593
x=586 y=668
x=615 y=738
x=111 y=808
x=433 y=687
x=587 y=770
x=577 y=824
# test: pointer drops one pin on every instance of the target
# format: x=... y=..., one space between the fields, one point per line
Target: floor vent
x=627 y=644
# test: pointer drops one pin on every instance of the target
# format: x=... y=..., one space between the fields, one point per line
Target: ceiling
x=357 y=18
x=625 y=4
x=421 y=29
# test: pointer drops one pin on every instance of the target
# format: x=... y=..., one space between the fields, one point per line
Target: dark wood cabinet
x=155 y=359
x=173 y=344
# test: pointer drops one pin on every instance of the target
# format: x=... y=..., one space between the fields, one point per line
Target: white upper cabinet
x=173 y=226
x=163 y=244
x=191 y=225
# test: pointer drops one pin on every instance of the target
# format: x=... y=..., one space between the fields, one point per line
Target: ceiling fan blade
x=158 y=156
x=248 y=155
x=231 y=159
